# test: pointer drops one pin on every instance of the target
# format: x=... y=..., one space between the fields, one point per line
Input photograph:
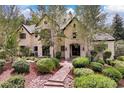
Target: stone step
x=52 y=87
x=61 y=74
x=57 y=84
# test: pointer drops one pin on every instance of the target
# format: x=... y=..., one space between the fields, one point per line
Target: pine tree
x=117 y=27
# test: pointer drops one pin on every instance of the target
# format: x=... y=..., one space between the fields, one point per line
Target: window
x=22 y=36
x=74 y=34
x=35 y=48
x=62 y=48
x=22 y=47
x=45 y=22
x=74 y=25
x=36 y=35
x=45 y=50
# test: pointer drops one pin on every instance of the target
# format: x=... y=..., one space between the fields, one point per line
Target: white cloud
x=114 y=8
x=26 y=13
x=70 y=10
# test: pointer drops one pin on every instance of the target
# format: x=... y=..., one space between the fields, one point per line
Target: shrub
x=21 y=66
x=58 y=55
x=83 y=72
x=14 y=82
x=94 y=81
x=118 y=64
x=56 y=62
x=121 y=70
x=2 y=54
x=112 y=73
x=45 y=65
x=121 y=58
x=107 y=54
x=101 y=61
x=2 y=62
x=80 y=62
x=98 y=67
x=93 y=54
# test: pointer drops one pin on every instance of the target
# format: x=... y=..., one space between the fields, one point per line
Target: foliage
x=58 y=55
x=21 y=66
x=46 y=65
x=80 y=62
x=2 y=62
x=117 y=26
x=112 y=73
x=101 y=61
x=82 y=72
x=14 y=82
x=56 y=62
x=93 y=54
x=98 y=67
x=94 y=81
x=121 y=70
x=25 y=51
x=100 y=47
x=2 y=54
x=121 y=58
x=106 y=54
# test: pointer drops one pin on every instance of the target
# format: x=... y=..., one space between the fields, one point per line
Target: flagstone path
x=57 y=80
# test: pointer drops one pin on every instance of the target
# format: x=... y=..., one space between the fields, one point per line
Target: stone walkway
x=57 y=80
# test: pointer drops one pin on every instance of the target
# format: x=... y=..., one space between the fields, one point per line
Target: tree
x=92 y=20
x=9 y=22
x=117 y=27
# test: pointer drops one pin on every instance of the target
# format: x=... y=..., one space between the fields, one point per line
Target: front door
x=75 y=50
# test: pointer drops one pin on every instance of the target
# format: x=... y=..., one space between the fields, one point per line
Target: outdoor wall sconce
x=83 y=48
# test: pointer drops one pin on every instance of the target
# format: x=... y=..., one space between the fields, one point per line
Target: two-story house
x=70 y=46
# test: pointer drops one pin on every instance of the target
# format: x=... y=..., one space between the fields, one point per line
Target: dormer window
x=36 y=35
x=22 y=35
x=74 y=25
x=45 y=22
x=74 y=34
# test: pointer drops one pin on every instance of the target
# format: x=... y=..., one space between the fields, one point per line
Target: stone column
x=51 y=51
x=67 y=52
x=40 y=51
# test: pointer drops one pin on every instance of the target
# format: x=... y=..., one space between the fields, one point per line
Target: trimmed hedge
x=56 y=62
x=121 y=58
x=21 y=66
x=82 y=72
x=2 y=62
x=47 y=65
x=112 y=73
x=80 y=62
x=98 y=67
x=14 y=82
x=101 y=61
x=94 y=81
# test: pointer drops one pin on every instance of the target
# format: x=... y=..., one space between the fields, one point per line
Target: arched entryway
x=74 y=50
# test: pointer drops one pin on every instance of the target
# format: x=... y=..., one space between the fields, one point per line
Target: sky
x=111 y=10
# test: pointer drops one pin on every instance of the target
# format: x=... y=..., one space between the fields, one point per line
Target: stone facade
x=70 y=46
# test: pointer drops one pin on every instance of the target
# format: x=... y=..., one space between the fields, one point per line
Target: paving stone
x=57 y=84
x=60 y=75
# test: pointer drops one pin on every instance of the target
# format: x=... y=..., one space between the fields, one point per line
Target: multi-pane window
x=74 y=34
x=62 y=48
x=45 y=50
x=22 y=35
x=45 y=22
x=35 y=48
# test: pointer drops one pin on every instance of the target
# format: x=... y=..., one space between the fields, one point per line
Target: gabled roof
x=63 y=27
x=103 y=37
x=29 y=28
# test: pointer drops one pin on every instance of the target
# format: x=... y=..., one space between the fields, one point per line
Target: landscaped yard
x=50 y=72
x=31 y=75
